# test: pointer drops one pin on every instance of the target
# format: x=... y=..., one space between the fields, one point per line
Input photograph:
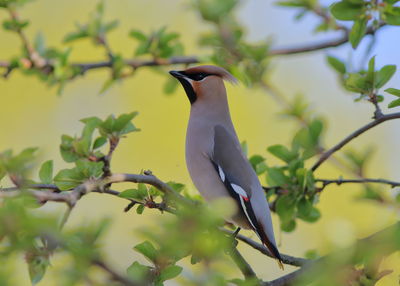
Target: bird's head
x=203 y=81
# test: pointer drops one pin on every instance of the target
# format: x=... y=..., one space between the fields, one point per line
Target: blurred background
x=31 y=114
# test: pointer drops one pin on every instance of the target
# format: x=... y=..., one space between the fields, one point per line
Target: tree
x=189 y=228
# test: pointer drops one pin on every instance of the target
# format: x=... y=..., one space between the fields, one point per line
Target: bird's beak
x=186 y=83
x=176 y=74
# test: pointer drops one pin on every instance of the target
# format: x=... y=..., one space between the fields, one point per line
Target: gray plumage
x=216 y=163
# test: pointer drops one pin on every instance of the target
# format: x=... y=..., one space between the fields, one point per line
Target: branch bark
x=286 y=259
x=377 y=242
x=242 y=264
x=326 y=182
x=352 y=136
x=113 y=274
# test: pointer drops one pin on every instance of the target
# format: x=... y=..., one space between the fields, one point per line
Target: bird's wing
x=238 y=176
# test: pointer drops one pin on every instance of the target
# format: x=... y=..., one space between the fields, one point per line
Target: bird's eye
x=199 y=76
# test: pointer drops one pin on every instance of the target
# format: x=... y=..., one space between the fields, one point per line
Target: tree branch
x=136 y=63
x=382 y=242
x=285 y=280
x=242 y=264
x=322 y=45
x=326 y=182
x=149 y=179
x=113 y=274
x=68 y=197
x=353 y=135
x=286 y=259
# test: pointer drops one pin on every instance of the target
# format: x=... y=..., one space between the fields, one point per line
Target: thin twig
x=326 y=182
x=113 y=274
x=352 y=136
x=24 y=39
x=149 y=179
x=286 y=259
x=65 y=217
x=285 y=280
x=242 y=264
x=136 y=63
x=319 y=46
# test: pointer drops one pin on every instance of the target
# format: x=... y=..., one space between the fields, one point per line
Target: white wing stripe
x=239 y=190
x=221 y=174
x=247 y=215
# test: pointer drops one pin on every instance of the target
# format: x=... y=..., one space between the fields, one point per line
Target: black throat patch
x=188 y=89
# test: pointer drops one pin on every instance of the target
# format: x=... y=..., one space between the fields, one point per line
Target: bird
x=214 y=157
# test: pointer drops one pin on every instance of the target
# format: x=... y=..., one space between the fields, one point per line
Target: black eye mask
x=183 y=79
x=196 y=76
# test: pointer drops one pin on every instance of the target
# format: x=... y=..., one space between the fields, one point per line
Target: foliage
x=192 y=230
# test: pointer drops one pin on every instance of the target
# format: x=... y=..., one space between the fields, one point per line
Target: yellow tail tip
x=280 y=264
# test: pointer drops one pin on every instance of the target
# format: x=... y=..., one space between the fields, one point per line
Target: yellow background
x=31 y=114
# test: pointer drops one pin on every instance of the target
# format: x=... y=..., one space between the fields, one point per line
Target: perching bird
x=214 y=158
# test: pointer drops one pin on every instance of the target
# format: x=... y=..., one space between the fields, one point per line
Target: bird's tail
x=275 y=253
x=272 y=248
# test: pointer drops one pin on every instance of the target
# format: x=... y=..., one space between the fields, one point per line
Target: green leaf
x=392 y=15
x=46 y=172
x=137 y=271
x=73 y=36
x=14 y=25
x=128 y=129
x=111 y=25
x=68 y=179
x=355 y=82
x=258 y=164
x=194 y=259
x=18 y=164
x=346 y=11
x=357 y=32
x=313 y=216
x=393 y=91
x=291 y=4
x=304 y=207
x=89 y=169
x=127 y=194
x=394 y=103
x=37 y=266
x=170 y=272
x=371 y=71
x=107 y=85
x=138 y=35
x=285 y=207
x=384 y=75
x=123 y=120
x=178 y=187
x=276 y=177
x=67 y=149
x=301 y=175
x=148 y=250
x=315 y=128
x=100 y=141
x=338 y=65
x=39 y=44
x=288 y=226
x=170 y=86
x=311 y=254
x=140 y=209
x=282 y=153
